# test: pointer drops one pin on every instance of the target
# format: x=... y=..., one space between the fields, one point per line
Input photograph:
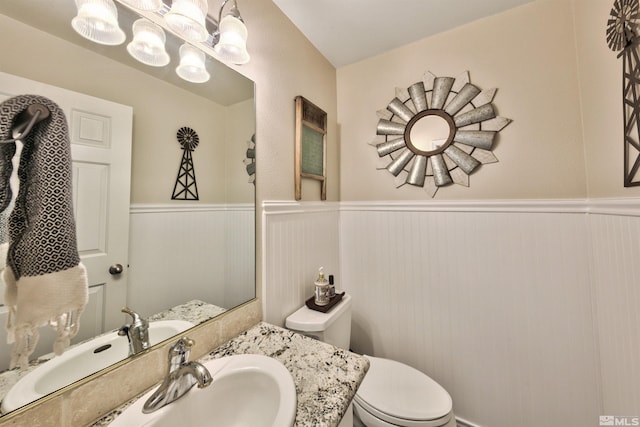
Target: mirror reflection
x=429 y=132
x=180 y=259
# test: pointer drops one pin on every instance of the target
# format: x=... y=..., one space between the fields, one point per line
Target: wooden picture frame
x=311 y=145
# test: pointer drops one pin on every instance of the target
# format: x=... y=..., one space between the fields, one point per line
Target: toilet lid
x=403 y=392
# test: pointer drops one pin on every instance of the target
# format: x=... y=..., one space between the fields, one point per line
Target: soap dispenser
x=322 y=289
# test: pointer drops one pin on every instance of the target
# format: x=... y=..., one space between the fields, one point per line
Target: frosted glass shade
x=232 y=46
x=151 y=5
x=187 y=18
x=97 y=20
x=148 y=43
x=192 y=68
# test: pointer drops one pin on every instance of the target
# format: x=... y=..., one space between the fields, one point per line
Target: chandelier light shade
x=148 y=44
x=150 y=5
x=232 y=46
x=97 y=20
x=192 y=67
x=187 y=18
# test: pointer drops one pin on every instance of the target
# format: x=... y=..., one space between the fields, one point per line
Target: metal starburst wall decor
x=250 y=160
x=437 y=132
x=622 y=37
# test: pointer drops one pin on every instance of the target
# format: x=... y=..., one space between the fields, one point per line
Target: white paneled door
x=100 y=133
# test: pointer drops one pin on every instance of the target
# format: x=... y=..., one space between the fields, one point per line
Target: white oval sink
x=81 y=361
x=247 y=390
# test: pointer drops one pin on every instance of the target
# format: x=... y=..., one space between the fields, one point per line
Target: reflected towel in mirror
x=45 y=282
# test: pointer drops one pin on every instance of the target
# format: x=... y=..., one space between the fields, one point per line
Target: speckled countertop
x=326 y=377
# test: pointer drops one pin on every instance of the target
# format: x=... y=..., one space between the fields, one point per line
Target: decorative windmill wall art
x=622 y=36
x=186 y=187
x=250 y=161
x=437 y=132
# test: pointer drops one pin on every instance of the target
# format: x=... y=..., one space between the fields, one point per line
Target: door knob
x=115 y=269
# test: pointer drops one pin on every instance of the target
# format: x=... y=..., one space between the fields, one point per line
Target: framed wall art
x=311 y=145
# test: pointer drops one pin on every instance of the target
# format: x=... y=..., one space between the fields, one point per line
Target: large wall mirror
x=182 y=259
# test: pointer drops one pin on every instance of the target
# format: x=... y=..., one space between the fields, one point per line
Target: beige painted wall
x=528 y=53
x=240 y=125
x=283 y=65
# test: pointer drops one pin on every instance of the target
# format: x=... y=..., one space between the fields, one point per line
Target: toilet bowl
x=395 y=394
x=392 y=394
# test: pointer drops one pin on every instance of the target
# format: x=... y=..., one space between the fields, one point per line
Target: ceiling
x=347 y=31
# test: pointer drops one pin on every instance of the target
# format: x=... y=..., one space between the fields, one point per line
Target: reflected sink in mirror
x=81 y=361
x=247 y=390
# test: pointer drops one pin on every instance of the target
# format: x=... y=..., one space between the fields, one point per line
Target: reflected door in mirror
x=100 y=133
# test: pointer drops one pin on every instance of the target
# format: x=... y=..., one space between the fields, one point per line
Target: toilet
x=392 y=394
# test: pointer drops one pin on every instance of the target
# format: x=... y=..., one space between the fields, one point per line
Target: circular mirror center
x=430 y=133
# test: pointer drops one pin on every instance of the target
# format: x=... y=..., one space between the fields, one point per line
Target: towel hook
x=33 y=114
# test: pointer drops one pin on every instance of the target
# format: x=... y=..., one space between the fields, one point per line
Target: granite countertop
x=194 y=311
x=326 y=377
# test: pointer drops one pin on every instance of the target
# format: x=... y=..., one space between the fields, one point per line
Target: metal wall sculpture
x=437 y=132
x=250 y=161
x=622 y=35
x=186 y=187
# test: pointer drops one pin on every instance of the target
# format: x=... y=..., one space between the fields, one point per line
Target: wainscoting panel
x=495 y=306
x=299 y=238
x=175 y=245
x=615 y=266
x=527 y=312
x=240 y=271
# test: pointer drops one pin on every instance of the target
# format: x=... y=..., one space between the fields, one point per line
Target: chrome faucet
x=137 y=332
x=181 y=377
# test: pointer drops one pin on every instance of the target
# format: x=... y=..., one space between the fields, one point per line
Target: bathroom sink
x=82 y=360
x=247 y=390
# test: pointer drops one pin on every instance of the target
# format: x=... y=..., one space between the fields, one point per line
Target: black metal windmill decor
x=622 y=35
x=186 y=187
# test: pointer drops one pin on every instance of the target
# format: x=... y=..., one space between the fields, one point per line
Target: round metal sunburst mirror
x=437 y=132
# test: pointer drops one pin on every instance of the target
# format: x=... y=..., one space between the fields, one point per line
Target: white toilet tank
x=333 y=327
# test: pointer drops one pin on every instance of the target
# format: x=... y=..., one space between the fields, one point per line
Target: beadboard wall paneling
x=173 y=245
x=298 y=239
x=525 y=311
x=240 y=270
x=495 y=306
x=615 y=267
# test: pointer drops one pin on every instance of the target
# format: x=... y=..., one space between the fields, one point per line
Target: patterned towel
x=45 y=283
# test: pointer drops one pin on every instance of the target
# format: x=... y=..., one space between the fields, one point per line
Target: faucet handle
x=136 y=317
x=179 y=352
x=183 y=345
